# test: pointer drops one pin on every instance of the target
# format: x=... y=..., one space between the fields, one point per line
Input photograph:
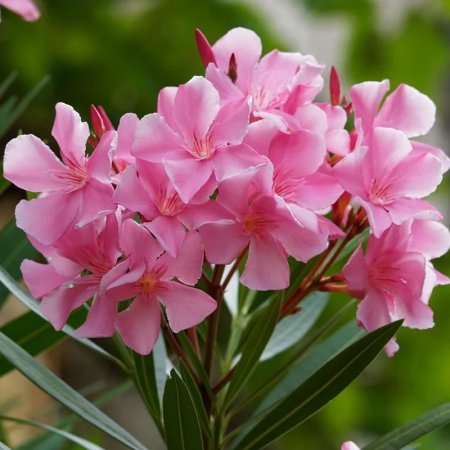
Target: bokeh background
x=119 y=53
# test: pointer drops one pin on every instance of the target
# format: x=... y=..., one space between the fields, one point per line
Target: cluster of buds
x=241 y=167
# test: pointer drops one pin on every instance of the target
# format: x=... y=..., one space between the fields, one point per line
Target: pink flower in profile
x=390 y=278
x=388 y=179
x=74 y=274
x=349 y=445
x=277 y=81
x=75 y=191
x=193 y=134
x=148 y=279
x=24 y=8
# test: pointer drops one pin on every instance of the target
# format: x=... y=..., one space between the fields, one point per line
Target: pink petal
x=139 y=325
x=366 y=99
x=125 y=138
x=379 y=219
x=138 y=243
x=349 y=172
x=260 y=134
x=356 y=274
x=195 y=216
x=99 y=163
x=71 y=134
x=185 y=305
x=166 y=100
x=187 y=266
x=424 y=148
x=58 y=305
x=154 y=140
x=408 y=110
x=31 y=165
x=228 y=91
x=266 y=268
x=235 y=159
x=373 y=311
x=131 y=194
x=100 y=320
x=430 y=238
x=223 y=242
x=188 y=176
x=97 y=201
x=44 y=278
x=169 y=232
x=24 y=8
x=48 y=218
x=408 y=208
x=195 y=107
x=246 y=47
x=349 y=445
x=231 y=123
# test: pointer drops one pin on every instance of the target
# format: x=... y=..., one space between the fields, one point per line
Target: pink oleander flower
x=24 y=8
x=149 y=191
x=388 y=179
x=279 y=81
x=266 y=227
x=394 y=277
x=147 y=278
x=77 y=265
x=349 y=445
x=75 y=191
x=192 y=133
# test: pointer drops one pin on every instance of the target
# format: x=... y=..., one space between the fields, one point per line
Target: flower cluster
x=241 y=164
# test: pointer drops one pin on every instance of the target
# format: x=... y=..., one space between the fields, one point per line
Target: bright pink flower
x=75 y=191
x=24 y=8
x=391 y=276
x=74 y=275
x=150 y=192
x=388 y=179
x=266 y=226
x=349 y=445
x=125 y=137
x=147 y=279
x=192 y=133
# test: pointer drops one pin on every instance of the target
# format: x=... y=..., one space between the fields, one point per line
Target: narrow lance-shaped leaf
x=83 y=443
x=293 y=327
x=318 y=390
x=256 y=340
x=63 y=393
x=413 y=430
x=180 y=416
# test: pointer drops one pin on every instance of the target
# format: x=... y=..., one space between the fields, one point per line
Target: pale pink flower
x=148 y=279
x=24 y=8
x=388 y=179
x=192 y=133
x=392 y=277
x=277 y=81
x=75 y=191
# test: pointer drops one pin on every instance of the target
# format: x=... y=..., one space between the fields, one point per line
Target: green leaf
x=331 y=346
x=317 y=390
x=180 y=416
x=256 y=340
x=83 y=443
x=31 y=303
x=413 y=430
x=32 y=333
x=14 y=248
x=13 y=115
x=63 y=393
x=294 y=327
x=197 y=400
x=4 y=184
x=7 y=82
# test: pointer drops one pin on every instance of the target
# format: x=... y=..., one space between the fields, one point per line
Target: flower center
x=169 y=203
x=379 y=193
x=75 y=178
x=203 y=148
x=284 y=185
x=148 y=283
x=257 y=223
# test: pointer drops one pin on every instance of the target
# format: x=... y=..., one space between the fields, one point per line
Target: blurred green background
x=120 y=53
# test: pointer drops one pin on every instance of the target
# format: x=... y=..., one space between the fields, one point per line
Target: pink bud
x=335 y=87
x=232 y=68
x=100 y=120
x=204 y=48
